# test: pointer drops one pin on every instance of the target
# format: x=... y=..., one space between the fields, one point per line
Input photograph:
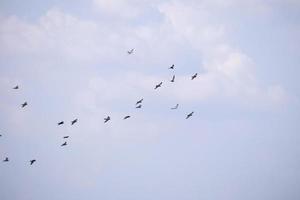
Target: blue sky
x=69 y=59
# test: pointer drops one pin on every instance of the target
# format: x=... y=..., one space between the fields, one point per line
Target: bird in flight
x=130 y=52
x=106 y=119
x=32 y=161
x=60 y=123
x=139 y=106
x=139 y=101
x=172 y=67
x=0 y=135
x=17 y=87
x=173 y=79
x=175 y=107
x=74 y=121
x=6 y=159
x=64 y=144
x=158 y=85
x=126 y=117
x=24 y=104
x=66 y=136
x=194 y=76
x=189 y=115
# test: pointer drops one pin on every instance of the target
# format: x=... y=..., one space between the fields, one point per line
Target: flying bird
x=189 y=115
x=74 y=121
x=32 y=161
x=173 y=79
x=158 y=85
x=0 y=135
x=17 y=87
x=106 y=119
x=172 y=67
x=6 y=159
x=60 y=123
x=194 y=76
x=139 y=106
x=139 y=101
x=24 y=104
x=126 y=117
x=66 y=136
x=130 y=52
x=175 y=107
x=64 y=144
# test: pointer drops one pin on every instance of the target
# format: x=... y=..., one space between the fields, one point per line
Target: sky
x=70 y=61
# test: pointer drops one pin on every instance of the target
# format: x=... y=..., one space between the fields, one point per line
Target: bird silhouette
x=158 y=85
x=6 y=159
x=189 y=115
x=172 y=67
x=24 y=104
x=139 y=101
x=130 y=52
x=126 y=117
x=194 y=76
x=175 y=107
x=139 y=106
x=0 y=135
x=60 y=123
x=173 y=79
x=66 y=136
x=74 y=121
x=64 y=144
x=106 y=119
x=32 y=161
x=17 y=87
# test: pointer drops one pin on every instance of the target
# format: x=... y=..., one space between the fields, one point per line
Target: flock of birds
x=108 y=118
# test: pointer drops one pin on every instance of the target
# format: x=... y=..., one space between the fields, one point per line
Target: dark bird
x=140 y=101
x=194 y=76
x=60 y=123
x=24 y=104
x=6 y=159
x=172 y=67
x=139 y=106
x=66 y=136
x=126 y=117
x=106 y=119
x=158 y=85
x=74 y=121
x=17 y=87
x=173 y=78
x=64 y=144
x=130 y=52
x=0 y=135
x=32 y=161
x=189 y=115
x=175 y=107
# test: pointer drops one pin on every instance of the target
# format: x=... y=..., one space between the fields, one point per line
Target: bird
x=0 y=135
x=189 y=115
x=172 y=67
x=74 y=121
x=60 y=123
x=175 y=107
x=139 y=106
x=158 y=85
x=194 y=76
x=126 y=117
x=130 y=52
x=17 y=87
x=173 y=78
x=139 y=101
x=32 y=161
x=24 y=104
x=106 y=119
x=66 y=136
x=6 y=159
x=64 y=144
